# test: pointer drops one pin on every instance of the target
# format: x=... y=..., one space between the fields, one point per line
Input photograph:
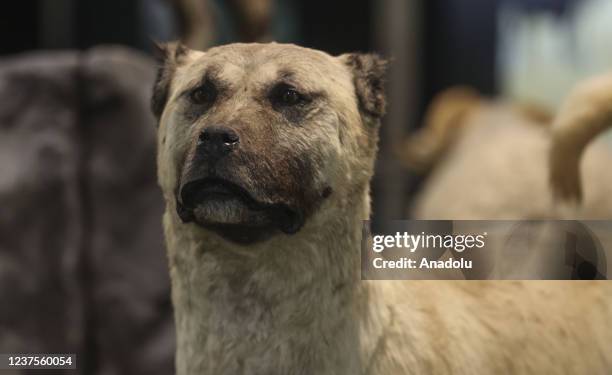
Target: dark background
x=446 y=29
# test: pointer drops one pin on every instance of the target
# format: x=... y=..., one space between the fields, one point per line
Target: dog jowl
x=254 y=138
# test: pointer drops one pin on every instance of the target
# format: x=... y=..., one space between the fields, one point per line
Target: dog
x=444 y=122
x=265 y=155
x=500 y=160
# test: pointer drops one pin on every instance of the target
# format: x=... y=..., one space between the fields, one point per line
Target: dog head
x=255 y=138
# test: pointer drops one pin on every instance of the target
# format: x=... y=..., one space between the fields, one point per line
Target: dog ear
x=369 y=72
x=169 y=56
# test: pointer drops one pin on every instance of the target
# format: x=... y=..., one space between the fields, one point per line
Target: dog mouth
x=224 y=205
x=195 y=192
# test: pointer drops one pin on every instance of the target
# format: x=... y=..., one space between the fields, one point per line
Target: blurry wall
x=544 y=51
x=459 y=45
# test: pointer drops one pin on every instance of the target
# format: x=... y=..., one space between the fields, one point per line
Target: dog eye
x=290 y=97
x=205 y=94
x=286 y=95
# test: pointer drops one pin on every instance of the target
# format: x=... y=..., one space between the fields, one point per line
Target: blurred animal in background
x=490 y=160
x=495 y=160
x=199 y=20
x=586 y=114
x=444 y=121
x=196 y=22
x=82 y=268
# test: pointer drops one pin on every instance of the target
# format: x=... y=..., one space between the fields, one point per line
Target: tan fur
x=294 y=304
x=536 y=113
x=586 y=113
x=444 y=121
x=499 y=168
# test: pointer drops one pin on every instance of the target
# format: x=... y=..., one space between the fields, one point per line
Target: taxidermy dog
x=265 y=155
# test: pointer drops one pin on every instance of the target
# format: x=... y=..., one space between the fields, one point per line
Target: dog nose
x=217 y=141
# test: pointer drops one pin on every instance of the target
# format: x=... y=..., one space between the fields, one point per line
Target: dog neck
x=290 y=302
